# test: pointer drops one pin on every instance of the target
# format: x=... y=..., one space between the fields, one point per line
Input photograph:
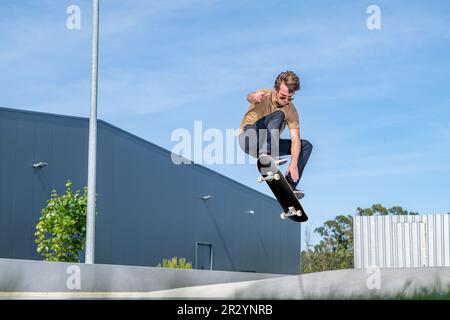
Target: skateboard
x=281 y=189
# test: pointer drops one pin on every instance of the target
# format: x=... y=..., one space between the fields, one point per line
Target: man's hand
x=293 y=171
x=257 y=97
x=261 y=96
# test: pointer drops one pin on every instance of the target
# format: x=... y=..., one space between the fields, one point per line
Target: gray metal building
x=402 y=241
x=148 y=207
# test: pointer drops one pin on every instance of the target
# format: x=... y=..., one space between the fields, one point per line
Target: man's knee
x=277 y=116
x=306 y=145
x=274 y=121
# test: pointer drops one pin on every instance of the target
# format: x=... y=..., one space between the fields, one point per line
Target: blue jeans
x=264 y=137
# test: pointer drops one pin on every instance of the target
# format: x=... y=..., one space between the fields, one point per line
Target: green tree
x=335 y=250
x=379 y=210
x=175 y=263
x=61 y=230
x=336 y=234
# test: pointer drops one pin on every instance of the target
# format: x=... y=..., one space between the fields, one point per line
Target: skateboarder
x=269 y=112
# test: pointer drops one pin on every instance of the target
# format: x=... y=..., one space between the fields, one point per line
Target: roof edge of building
x=54 y=115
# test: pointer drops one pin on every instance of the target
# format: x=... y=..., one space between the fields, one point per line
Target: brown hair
x=290 y=79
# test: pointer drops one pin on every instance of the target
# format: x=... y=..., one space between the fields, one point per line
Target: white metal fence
x=402 y=241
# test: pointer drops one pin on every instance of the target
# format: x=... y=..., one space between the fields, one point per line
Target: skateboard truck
x=280 y=162
x=269 y=177
x=290 y=213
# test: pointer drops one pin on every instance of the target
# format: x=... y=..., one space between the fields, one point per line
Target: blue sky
x=374 y=103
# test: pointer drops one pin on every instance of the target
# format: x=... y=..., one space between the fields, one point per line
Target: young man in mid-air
x=269 y=112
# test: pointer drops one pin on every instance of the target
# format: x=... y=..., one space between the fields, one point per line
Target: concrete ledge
x=40 y=276
x=340 y=284
x=23 y=279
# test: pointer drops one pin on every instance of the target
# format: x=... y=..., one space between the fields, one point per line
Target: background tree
x=61 y=230
x=334 y=251
x=379 y=210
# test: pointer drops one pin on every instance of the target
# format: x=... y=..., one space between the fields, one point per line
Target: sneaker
x=298 y=193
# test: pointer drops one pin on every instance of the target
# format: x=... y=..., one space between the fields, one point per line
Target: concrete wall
x=39 y=276
x=21 y=279
x=149 y=208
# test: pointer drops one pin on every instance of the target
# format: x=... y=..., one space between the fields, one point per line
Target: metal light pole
x=90 y=221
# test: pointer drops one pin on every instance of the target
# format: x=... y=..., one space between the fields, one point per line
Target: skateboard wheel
x=299 y=213
x=282 y=215
x=276 y=177
x=260 y=179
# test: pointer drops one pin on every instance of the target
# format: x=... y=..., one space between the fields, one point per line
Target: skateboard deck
x=281 y=189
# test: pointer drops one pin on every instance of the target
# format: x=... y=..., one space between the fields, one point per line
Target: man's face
x=283 y=96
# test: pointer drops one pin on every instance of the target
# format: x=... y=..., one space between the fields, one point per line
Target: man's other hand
x=260 y=96
x=293 y=172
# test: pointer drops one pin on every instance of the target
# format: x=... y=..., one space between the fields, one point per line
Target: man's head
x=286 y=84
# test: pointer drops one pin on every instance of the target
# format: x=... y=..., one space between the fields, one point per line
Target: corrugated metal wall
x=402 y=241
x=149 y=208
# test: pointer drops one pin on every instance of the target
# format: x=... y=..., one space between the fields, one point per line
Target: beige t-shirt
x=258 y=110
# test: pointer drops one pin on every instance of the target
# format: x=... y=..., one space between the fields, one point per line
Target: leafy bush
x=317 y=261
x=175 y=263
x=61 y=230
